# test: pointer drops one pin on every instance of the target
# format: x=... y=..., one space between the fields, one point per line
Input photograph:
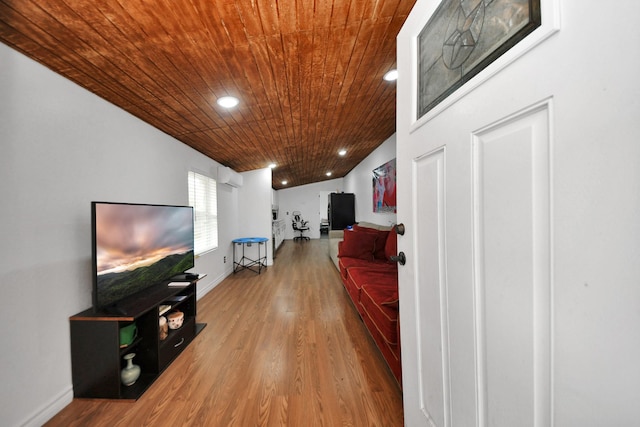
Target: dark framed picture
x=462 y=38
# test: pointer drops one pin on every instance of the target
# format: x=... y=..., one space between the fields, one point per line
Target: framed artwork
x=384 y=187
x=463 y=37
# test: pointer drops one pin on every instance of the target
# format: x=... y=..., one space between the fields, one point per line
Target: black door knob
x=400 y=229
x=400 y=258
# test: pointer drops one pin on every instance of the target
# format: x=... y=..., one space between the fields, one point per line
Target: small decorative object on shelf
x=164 y=328
x=128 y=334
x=175 y=319
x=131 y=372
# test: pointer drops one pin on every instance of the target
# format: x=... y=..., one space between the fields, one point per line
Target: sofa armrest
x=335 y=237
x=336 y=234
x=375 y=226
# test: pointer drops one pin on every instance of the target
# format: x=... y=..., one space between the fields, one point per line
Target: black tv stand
x=96 y=354
x=185 y=277
x=114 y=310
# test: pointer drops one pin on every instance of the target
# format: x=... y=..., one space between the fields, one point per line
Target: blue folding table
x=254 y=265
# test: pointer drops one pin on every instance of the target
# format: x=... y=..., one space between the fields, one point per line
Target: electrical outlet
x=224 y=260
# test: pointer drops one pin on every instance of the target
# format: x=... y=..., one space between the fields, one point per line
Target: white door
x=323 y=206
x=511 y=311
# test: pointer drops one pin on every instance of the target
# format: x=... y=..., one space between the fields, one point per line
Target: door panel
x=512 y=276
x=430 y=288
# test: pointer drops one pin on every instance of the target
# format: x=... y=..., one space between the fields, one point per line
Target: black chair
x=299 y=225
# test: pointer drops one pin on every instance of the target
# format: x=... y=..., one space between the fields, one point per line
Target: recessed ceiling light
x=342 y=152
x=228 y=101
x=328 y=173
x=391 y=75
x=272 y=165
x=284 y=183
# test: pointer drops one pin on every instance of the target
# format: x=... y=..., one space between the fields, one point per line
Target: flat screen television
x=137 y=246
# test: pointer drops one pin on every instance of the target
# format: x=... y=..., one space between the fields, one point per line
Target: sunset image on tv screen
x=140 y=245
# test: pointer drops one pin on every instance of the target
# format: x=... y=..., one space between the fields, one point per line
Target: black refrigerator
x=342 y=210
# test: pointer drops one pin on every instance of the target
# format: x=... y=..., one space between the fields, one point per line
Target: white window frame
x=203 y=197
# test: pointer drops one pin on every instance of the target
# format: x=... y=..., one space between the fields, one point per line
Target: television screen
x=136 y=246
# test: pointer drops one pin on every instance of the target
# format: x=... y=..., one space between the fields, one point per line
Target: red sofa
x=371 y=281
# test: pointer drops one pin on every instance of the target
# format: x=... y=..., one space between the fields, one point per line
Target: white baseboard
x=203 y=290
x=49 y=410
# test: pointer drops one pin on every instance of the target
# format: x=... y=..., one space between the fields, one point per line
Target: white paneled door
x=520 y=199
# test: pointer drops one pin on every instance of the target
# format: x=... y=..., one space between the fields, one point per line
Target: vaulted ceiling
x=308 y=73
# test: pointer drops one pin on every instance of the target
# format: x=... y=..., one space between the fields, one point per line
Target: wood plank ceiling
x=308 y=73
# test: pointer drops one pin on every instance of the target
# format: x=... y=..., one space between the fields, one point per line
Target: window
x=203 y=198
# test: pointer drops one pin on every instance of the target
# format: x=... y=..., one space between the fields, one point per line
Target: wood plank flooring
x=283 y=348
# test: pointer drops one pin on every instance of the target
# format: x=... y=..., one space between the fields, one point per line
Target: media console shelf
x=96 y=355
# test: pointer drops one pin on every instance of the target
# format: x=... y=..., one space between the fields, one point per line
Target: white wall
x=254 y=210
x=305 y=198
x=63 y=147
x=359 y=181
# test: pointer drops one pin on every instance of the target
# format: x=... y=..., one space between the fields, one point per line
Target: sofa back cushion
x=374 y=226
x=391 y=245
x=381 y=239
x=357 y=244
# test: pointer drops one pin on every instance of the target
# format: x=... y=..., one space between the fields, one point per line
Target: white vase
x=131 y=372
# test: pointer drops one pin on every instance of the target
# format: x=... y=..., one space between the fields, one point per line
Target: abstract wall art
x=384 y=187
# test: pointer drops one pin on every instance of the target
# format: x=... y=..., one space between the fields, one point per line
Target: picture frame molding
x=551 y=20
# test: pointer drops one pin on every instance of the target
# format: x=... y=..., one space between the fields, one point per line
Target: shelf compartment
x=134 y=391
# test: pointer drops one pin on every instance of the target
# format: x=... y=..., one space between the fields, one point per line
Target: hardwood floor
x=283 y=348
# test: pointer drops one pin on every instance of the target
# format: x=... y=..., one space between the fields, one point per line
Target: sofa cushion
x=375 y=299
x=380 y=273
x=357 y=244
x=345 y=264
x=379 y=251
x=391 y=245
x=380 y=242
x=353 y=283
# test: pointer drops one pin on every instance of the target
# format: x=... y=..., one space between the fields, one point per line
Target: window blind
x=204 y=199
